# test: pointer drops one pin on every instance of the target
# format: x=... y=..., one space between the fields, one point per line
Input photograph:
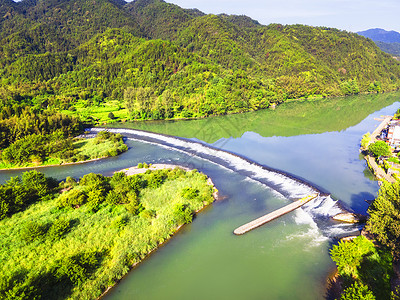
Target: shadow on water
x=359 y=200
x=288 y=119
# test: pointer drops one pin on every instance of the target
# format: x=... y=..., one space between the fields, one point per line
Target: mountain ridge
x=197 y=64
x=381 y=35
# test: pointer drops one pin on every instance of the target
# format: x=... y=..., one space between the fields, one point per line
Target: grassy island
x=54 y=149
x=75 y=239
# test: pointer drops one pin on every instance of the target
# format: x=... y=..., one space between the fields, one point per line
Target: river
x=315 y=141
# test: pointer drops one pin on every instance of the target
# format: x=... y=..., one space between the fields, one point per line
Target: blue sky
x=350 y=15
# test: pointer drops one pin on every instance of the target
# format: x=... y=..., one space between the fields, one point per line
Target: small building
x=393 y=136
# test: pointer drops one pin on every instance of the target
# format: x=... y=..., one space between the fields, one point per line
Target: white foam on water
x=292 y=188
x=323 y=206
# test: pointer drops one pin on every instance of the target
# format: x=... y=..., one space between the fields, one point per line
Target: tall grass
x=118 y=238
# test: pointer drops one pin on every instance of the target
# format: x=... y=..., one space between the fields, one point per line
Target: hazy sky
x=350 y=15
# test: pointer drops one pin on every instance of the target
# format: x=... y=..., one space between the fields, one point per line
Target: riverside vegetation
x=365 y=266
x=49 y=149
x=76 y=244
x=148 y=59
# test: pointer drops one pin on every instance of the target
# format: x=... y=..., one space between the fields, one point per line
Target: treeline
x=186 y=63
x=21 y=191
x=87 y=238
x=366 y=267
x=30 y=132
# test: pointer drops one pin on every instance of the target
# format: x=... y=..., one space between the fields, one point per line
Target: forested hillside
x=149 y=59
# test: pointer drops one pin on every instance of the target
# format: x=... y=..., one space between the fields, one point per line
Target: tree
x=357 y=291
x=111 y=115
x=167 y=101
x=379 y=148
x=366 y=139
x=384 y=221
x=348 y=256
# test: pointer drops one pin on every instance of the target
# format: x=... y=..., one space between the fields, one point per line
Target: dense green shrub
x=189 y=193
x=348 y=256
x=183 y=214
x=357 y=291
x=21 y=191
x=120 y=221
x=78 y=267
x=379 y=148
x=360 y=261
x=59 y=227
x=73 y=198
x=34 y=231
x=384 y=221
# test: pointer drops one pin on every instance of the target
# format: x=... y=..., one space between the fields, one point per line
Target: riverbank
x=378 y=172
x=84 y=149
x=154 y=167
x=115 y=229
x=52 y=165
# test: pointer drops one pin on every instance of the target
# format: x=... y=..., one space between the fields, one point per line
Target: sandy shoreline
x=153 y=167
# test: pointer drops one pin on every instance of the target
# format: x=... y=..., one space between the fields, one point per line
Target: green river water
x=317 y=141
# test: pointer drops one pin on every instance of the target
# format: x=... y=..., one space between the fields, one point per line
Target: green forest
x=149 y=59
x=366 y=265
x=76 y=238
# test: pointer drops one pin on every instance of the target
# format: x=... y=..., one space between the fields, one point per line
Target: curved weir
x=287 y=186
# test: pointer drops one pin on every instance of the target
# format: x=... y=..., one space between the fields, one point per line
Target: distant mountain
x=391 y=48
x=387 y=41
x=381 y=35
x=177 y=62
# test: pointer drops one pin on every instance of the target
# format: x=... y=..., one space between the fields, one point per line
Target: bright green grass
x=49 y=161
x=99 y=113
x=91 y=150
x=122 y=246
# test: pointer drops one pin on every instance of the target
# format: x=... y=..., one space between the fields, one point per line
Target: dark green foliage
x=357 y=291
x=156 y=178
x=34 y=231
x=38 y=183
x=183 y=214
x=349 y=255
x=59 y=227
x=19 y=192
x=119 y=222
x=78 y=268
x=384 y=221
x=134 y=206
x=54 y=283
x=189 y=193
x=360 y=261
x=148 y=214
x=379 y=148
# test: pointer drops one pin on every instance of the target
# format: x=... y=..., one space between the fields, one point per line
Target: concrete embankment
x=379 y=129
x=273 y=215
x=378 y=171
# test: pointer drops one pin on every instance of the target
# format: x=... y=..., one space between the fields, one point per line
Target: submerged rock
x=349 y=218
